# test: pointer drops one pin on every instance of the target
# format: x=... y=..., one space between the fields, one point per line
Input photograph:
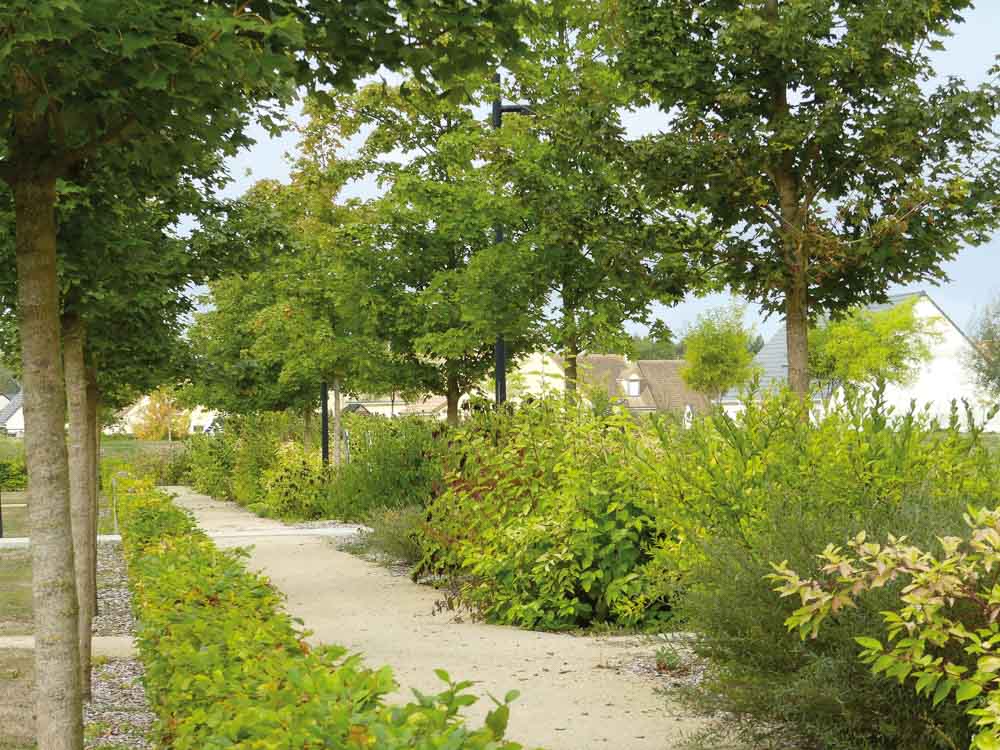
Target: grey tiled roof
x=772 y=360
x=16 y=402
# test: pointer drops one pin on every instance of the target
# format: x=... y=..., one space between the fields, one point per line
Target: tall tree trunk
x=790 y=232
x=337 y=431
x=797 y=333
x=453 y=395
x=94 y=450
x=58 y=710
x=80 y=473
x=571 y=373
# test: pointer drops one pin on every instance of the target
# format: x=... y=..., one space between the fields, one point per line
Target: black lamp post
x=324 y=398
x=500 y=349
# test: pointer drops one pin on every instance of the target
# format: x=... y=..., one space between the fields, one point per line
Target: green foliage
x=717 y=352
x=294 y=486
x=394 y=463
x=13 y=474
x=812 y=134
x=212 y=460
x=549 y=519
x=663 y=347
x=941 y=632
x=985 y=360
x=225 y=665
x=869 y=346
x=775 y=486
x=167 y=464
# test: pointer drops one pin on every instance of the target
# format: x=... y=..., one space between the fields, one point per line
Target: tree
x=602 y=249
x=86 y=83
x=163 y=419
x=656 y=347
x=420 y=267
x=717 y=352
x=985 y=360
x=870 y=346
x=803 y=128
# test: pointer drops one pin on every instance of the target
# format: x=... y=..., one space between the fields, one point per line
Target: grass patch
x=17 y=678
x=15 y=520
x=15 y=592
x=127 y=448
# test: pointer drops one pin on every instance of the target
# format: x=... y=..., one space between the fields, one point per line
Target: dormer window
x=632 y=387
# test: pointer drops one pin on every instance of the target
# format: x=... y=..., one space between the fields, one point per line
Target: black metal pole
x=499 y=350
x=324 y=398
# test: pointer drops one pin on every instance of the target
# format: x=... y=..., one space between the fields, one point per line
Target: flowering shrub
x=943 y=636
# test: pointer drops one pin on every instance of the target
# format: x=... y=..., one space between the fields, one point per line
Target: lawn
x=17 y=676
x=15 y=519
x=15 y=592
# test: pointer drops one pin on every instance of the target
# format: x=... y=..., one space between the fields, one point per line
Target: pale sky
x=974 y=274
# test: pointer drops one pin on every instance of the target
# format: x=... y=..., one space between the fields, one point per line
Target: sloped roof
x=16 y=402
x=602 y=370
x=667 y=387
x=772 y=359
x=661 y=387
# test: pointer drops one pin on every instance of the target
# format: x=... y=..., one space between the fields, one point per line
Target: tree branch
x=72 y=157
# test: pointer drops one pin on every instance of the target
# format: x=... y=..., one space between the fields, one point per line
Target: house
x=644 y=386
x=944 y=377
x=12 y=415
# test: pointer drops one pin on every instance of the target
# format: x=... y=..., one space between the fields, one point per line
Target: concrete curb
x=336 y=532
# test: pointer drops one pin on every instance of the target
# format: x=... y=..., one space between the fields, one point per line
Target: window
x=632 y=387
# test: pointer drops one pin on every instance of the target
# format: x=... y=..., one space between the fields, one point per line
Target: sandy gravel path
x=574 y=693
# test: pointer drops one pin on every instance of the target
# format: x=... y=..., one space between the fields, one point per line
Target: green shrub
x=13 y=474
x=163 y=465
x=772 y=486
x=226 y=666
x=211 y=459
x=394 y=463
x=258 y=439
x=550 y=518
x=942 y=630
x=296 y=484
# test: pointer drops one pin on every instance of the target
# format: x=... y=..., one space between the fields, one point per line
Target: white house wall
x=946 y=375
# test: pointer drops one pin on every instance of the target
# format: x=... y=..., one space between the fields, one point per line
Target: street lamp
x=500 y=349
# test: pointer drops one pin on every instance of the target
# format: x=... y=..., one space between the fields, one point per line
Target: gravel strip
x=114 y=609
x=118 y=715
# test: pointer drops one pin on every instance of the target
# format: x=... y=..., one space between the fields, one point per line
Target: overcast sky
x=974 y=275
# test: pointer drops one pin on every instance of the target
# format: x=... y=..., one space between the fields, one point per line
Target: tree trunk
x=94 y=433
x=790 y=233
x=453 y=396
x=797 y=333
x=337 y=431
x=571 y=373
x=571 y=348
x=58 y=710
x=80 y=473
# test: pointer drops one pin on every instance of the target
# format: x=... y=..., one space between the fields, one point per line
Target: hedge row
x=261 y=462
x=226 y=667
x=13 y=474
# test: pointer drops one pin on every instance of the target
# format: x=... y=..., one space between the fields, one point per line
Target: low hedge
x=13 y=474
x=226 y=667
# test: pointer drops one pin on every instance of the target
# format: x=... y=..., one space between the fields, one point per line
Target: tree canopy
x=985 y=361
x=871 y=346
x=717 y=352
x=809 y=132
